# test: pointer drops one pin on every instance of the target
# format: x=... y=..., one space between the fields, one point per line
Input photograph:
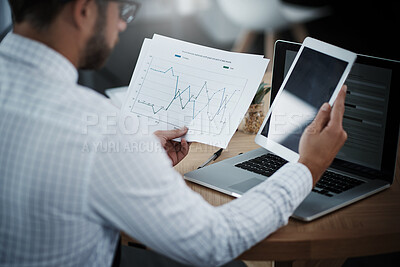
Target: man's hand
x=324 y=137
x=175 y=150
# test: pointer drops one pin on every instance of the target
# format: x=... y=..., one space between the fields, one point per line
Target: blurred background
x=365 y=27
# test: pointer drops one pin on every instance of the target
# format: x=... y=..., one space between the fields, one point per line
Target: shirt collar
x=39 y=56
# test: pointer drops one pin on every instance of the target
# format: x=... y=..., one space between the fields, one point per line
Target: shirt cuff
x=296 y=178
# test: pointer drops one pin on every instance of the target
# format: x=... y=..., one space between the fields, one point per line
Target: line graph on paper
x=178 y=94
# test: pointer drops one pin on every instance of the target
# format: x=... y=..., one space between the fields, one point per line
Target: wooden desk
x=368 y=227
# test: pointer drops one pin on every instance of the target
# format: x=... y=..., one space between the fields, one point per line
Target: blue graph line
x=192 y=98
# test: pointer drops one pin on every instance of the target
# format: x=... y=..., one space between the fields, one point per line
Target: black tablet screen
x=311 y=83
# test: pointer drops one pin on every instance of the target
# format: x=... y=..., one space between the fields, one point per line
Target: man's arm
x=142 y=195
x=324 y=137
x=138 y=192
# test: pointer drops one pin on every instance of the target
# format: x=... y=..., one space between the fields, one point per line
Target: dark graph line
x=225 y=99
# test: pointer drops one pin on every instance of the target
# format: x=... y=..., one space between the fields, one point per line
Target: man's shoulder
x=88 y=108
x=90 y=100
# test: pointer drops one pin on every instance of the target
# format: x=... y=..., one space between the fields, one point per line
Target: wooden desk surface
x=370 y=226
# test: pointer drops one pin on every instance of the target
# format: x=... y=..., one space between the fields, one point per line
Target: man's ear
x=84 y=13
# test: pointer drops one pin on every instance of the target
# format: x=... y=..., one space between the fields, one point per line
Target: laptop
x=364 y=166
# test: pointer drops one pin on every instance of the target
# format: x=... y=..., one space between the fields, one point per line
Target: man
x=63 y=200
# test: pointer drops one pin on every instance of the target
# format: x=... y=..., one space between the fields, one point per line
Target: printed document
x=176 y=84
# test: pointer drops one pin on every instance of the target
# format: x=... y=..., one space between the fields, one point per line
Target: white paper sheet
x=176 y=84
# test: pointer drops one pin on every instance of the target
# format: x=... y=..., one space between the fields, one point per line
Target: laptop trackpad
x=246 y=185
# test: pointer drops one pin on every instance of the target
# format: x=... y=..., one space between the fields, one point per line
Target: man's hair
x=40 y=13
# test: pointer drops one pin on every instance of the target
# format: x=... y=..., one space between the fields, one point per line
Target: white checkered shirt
x=69 y=183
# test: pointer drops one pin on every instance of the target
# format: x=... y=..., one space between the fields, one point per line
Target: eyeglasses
x=127 y=10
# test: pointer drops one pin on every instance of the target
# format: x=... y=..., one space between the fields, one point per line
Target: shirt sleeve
x=135 y=189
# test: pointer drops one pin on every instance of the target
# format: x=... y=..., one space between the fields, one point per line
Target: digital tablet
x=315 y=76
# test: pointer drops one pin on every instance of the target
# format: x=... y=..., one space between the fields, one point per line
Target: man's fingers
x=321 y=119
x=338 y=107
x=171 y=134
x=185 y=146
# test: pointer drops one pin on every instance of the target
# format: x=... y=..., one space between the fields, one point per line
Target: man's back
x=43 y=162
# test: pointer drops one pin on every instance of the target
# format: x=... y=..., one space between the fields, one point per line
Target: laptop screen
x=369 y=118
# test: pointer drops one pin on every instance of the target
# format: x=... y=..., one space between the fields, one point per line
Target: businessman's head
x=84 y=31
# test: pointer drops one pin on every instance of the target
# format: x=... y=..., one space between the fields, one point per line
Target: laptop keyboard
x=265 y=164
x=330 y=183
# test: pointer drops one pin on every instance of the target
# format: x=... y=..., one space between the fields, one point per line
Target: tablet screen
x=311 y=83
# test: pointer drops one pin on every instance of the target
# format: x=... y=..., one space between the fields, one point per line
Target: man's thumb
x=321 y=119
x=171 y=134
